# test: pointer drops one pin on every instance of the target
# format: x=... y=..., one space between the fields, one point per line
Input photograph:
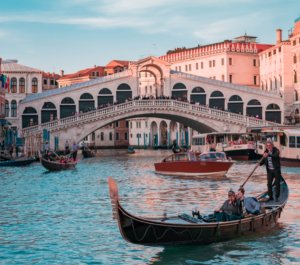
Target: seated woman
x=247 y=205
x=229 y=210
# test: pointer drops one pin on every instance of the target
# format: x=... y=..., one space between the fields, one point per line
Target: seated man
x=247 y=205
x=229 y=210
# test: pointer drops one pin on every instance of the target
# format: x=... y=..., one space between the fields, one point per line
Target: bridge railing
x=151 y=104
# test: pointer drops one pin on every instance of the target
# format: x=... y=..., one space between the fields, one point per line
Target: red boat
x=211 y=164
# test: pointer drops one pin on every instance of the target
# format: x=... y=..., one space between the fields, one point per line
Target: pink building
x=280 y=68
x=235 y=61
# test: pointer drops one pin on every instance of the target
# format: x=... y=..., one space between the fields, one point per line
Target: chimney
x=278 y=36
x=62 y=73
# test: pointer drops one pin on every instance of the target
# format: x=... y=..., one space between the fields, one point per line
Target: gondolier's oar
x=256 y=166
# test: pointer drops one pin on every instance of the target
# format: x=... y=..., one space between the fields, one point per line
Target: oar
x=256 y=166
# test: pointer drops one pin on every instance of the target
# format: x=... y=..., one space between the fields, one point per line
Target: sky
x=75 y=34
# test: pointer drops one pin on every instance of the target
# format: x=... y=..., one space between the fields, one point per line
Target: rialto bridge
x=200 y=103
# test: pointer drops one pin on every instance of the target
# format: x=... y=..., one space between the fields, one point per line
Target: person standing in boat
x=74 y=150
x=272 y=162
x=67 y=147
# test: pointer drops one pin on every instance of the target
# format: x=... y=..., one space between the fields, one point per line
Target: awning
x=4 y=122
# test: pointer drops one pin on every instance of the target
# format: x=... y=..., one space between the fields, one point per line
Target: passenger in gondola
x=247 y=205
x=229 y=211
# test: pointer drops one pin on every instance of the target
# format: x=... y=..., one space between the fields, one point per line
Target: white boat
x=238 y=146
x=287 y=140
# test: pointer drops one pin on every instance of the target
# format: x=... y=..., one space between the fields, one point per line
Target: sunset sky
x=74 y=34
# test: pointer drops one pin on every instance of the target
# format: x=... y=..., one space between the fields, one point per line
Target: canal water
x=65 y=217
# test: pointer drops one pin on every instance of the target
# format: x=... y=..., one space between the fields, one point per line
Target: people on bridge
x=272 y=162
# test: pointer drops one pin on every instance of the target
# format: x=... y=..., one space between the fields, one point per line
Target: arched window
x=86 y=103
x=13 y=85
x=67 y=108
x=296 y=95
x=273 y=113
x=29 y=117
x=6 y=108
x=123 y=93
x=49 y=112
x=34 y=83
x=22 y=85
x=254 y=109
x=179 y=91
x=14 y=108
x=198 y=96
x=236 y=104
x=217 y=100
x=105 y=97
x=295 y=77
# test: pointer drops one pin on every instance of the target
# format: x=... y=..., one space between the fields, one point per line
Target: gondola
x=19 y=162
x=186 y=229
x=57 y=165
x=86 y=153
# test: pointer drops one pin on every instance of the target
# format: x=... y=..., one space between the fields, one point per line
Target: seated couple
x=237 y=206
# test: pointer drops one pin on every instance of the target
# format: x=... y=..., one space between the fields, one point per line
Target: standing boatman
x=272 y=162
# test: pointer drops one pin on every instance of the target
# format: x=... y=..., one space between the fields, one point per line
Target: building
x=115 y=66
x=50 y=81
x=234 y=61
x=80 y=76
x=22 y=80
x=280 y=68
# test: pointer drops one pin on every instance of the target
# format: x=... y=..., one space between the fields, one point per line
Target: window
x=117 y=136
x=254 y=62
x=45 y=82
x=126 y=136
x=254 y=80
x=190 y=67
x=230 y=61
x=222 y=61
x=197 y=66
x=117 y=124
x=13 y=85
x=102 y=136
x=295 y=58
x=34 y=87
x=22 y=85
x=131 y=125
x=294 y=42
x=14 y=108
x=52 y=82
x=186 y=68
x=230 y=78
x=202 y=65
x=292 y=142
x=274 y=51
x=6 y=108
x=295 y=77
x=110 y=136
x=279 y=49
x=214 y=63
x=131 y=135
x=127 y=124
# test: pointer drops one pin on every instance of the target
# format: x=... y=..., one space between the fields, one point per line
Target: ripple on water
x=65 y=217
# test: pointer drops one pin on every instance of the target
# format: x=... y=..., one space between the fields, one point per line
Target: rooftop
x=14 y=66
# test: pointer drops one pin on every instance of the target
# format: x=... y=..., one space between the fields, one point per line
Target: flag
x=7 y=84
x=3 y=79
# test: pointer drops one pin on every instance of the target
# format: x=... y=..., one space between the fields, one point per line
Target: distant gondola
x=19 y=162
x=130 y=150
x=186 y=229
x=57 y=165
x=86 y=153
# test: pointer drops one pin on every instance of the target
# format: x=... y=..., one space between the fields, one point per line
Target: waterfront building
x=116 y=66
x=234 y=61
x=280 y=68
x=80 y=76
x=50 y=81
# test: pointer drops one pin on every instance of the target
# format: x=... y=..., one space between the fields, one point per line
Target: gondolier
x=272 y=162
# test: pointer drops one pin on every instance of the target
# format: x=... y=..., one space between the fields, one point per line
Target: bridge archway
x=236 y=104
x=49 y=112
x=198 y=95
x=173 y=132
x=154 y=134
x=124 y=93
x=163 y=129
x=29 y=117
x=86 y=103
x=67 y=108
x=179 y=91
x=217 y=100
x=105 y=97
x=273 y=113
x=254 y=108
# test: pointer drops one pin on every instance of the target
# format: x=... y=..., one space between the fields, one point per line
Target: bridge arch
x=254 y=108
x=273 y=113
x=154 y=134
x=29 y=117
x=105 y=97
x=179 y=91
x=198 y=95
x=217 y=100
x=49 y=112
x=124 y=93
x=236 y=104
x=163 y=129
x=67 y=107
x=86 y=102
